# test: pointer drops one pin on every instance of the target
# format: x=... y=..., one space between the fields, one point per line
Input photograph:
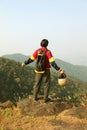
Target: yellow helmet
x=62 y=80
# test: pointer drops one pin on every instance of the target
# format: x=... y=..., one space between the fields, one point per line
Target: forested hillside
x=77 y=71
x=17 y=82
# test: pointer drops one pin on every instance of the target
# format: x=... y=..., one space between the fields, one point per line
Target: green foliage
x=70 y=93
x=73 y=92
x=8 y=112
x=17 y=82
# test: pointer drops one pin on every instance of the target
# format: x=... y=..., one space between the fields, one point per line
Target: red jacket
x=48 y=54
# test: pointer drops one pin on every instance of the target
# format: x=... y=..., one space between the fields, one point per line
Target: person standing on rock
x=50 y=61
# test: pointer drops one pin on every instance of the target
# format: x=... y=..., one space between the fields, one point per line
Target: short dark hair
x=44 y=43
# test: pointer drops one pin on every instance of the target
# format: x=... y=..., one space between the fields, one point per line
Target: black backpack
x=41 y=61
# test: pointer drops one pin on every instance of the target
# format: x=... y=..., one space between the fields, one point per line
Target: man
x=40 y=75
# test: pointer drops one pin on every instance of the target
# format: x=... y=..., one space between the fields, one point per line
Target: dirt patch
x=79 y=112
x=39 y=108
x=55 y=115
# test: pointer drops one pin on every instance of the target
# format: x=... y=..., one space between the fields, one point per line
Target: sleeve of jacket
x=28 y=61
x=52 y=61
x=31 y=58
x=55 y=66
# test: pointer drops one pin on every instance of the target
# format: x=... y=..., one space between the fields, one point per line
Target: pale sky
x=24 y=23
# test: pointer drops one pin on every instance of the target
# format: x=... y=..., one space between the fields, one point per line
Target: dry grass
x=69 y=118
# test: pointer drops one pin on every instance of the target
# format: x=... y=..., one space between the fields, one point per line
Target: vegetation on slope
x=77 y=71
x=17 y=82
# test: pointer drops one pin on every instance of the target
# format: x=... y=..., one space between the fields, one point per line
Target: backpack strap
x=44 y=51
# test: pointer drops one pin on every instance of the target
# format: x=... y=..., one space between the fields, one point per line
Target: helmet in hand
x=62 y=80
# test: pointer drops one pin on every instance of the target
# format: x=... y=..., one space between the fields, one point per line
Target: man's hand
x=61 y=71
x=23 y=64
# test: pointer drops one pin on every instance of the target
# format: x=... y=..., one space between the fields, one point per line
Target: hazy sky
x=24 y=23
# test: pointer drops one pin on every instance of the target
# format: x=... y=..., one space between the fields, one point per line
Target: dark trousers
x=38 y=80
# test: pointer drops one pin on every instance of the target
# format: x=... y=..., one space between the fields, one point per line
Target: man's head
x=44 y=43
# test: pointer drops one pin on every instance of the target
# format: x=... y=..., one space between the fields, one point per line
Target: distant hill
x=77 y=71
x=17 y=57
